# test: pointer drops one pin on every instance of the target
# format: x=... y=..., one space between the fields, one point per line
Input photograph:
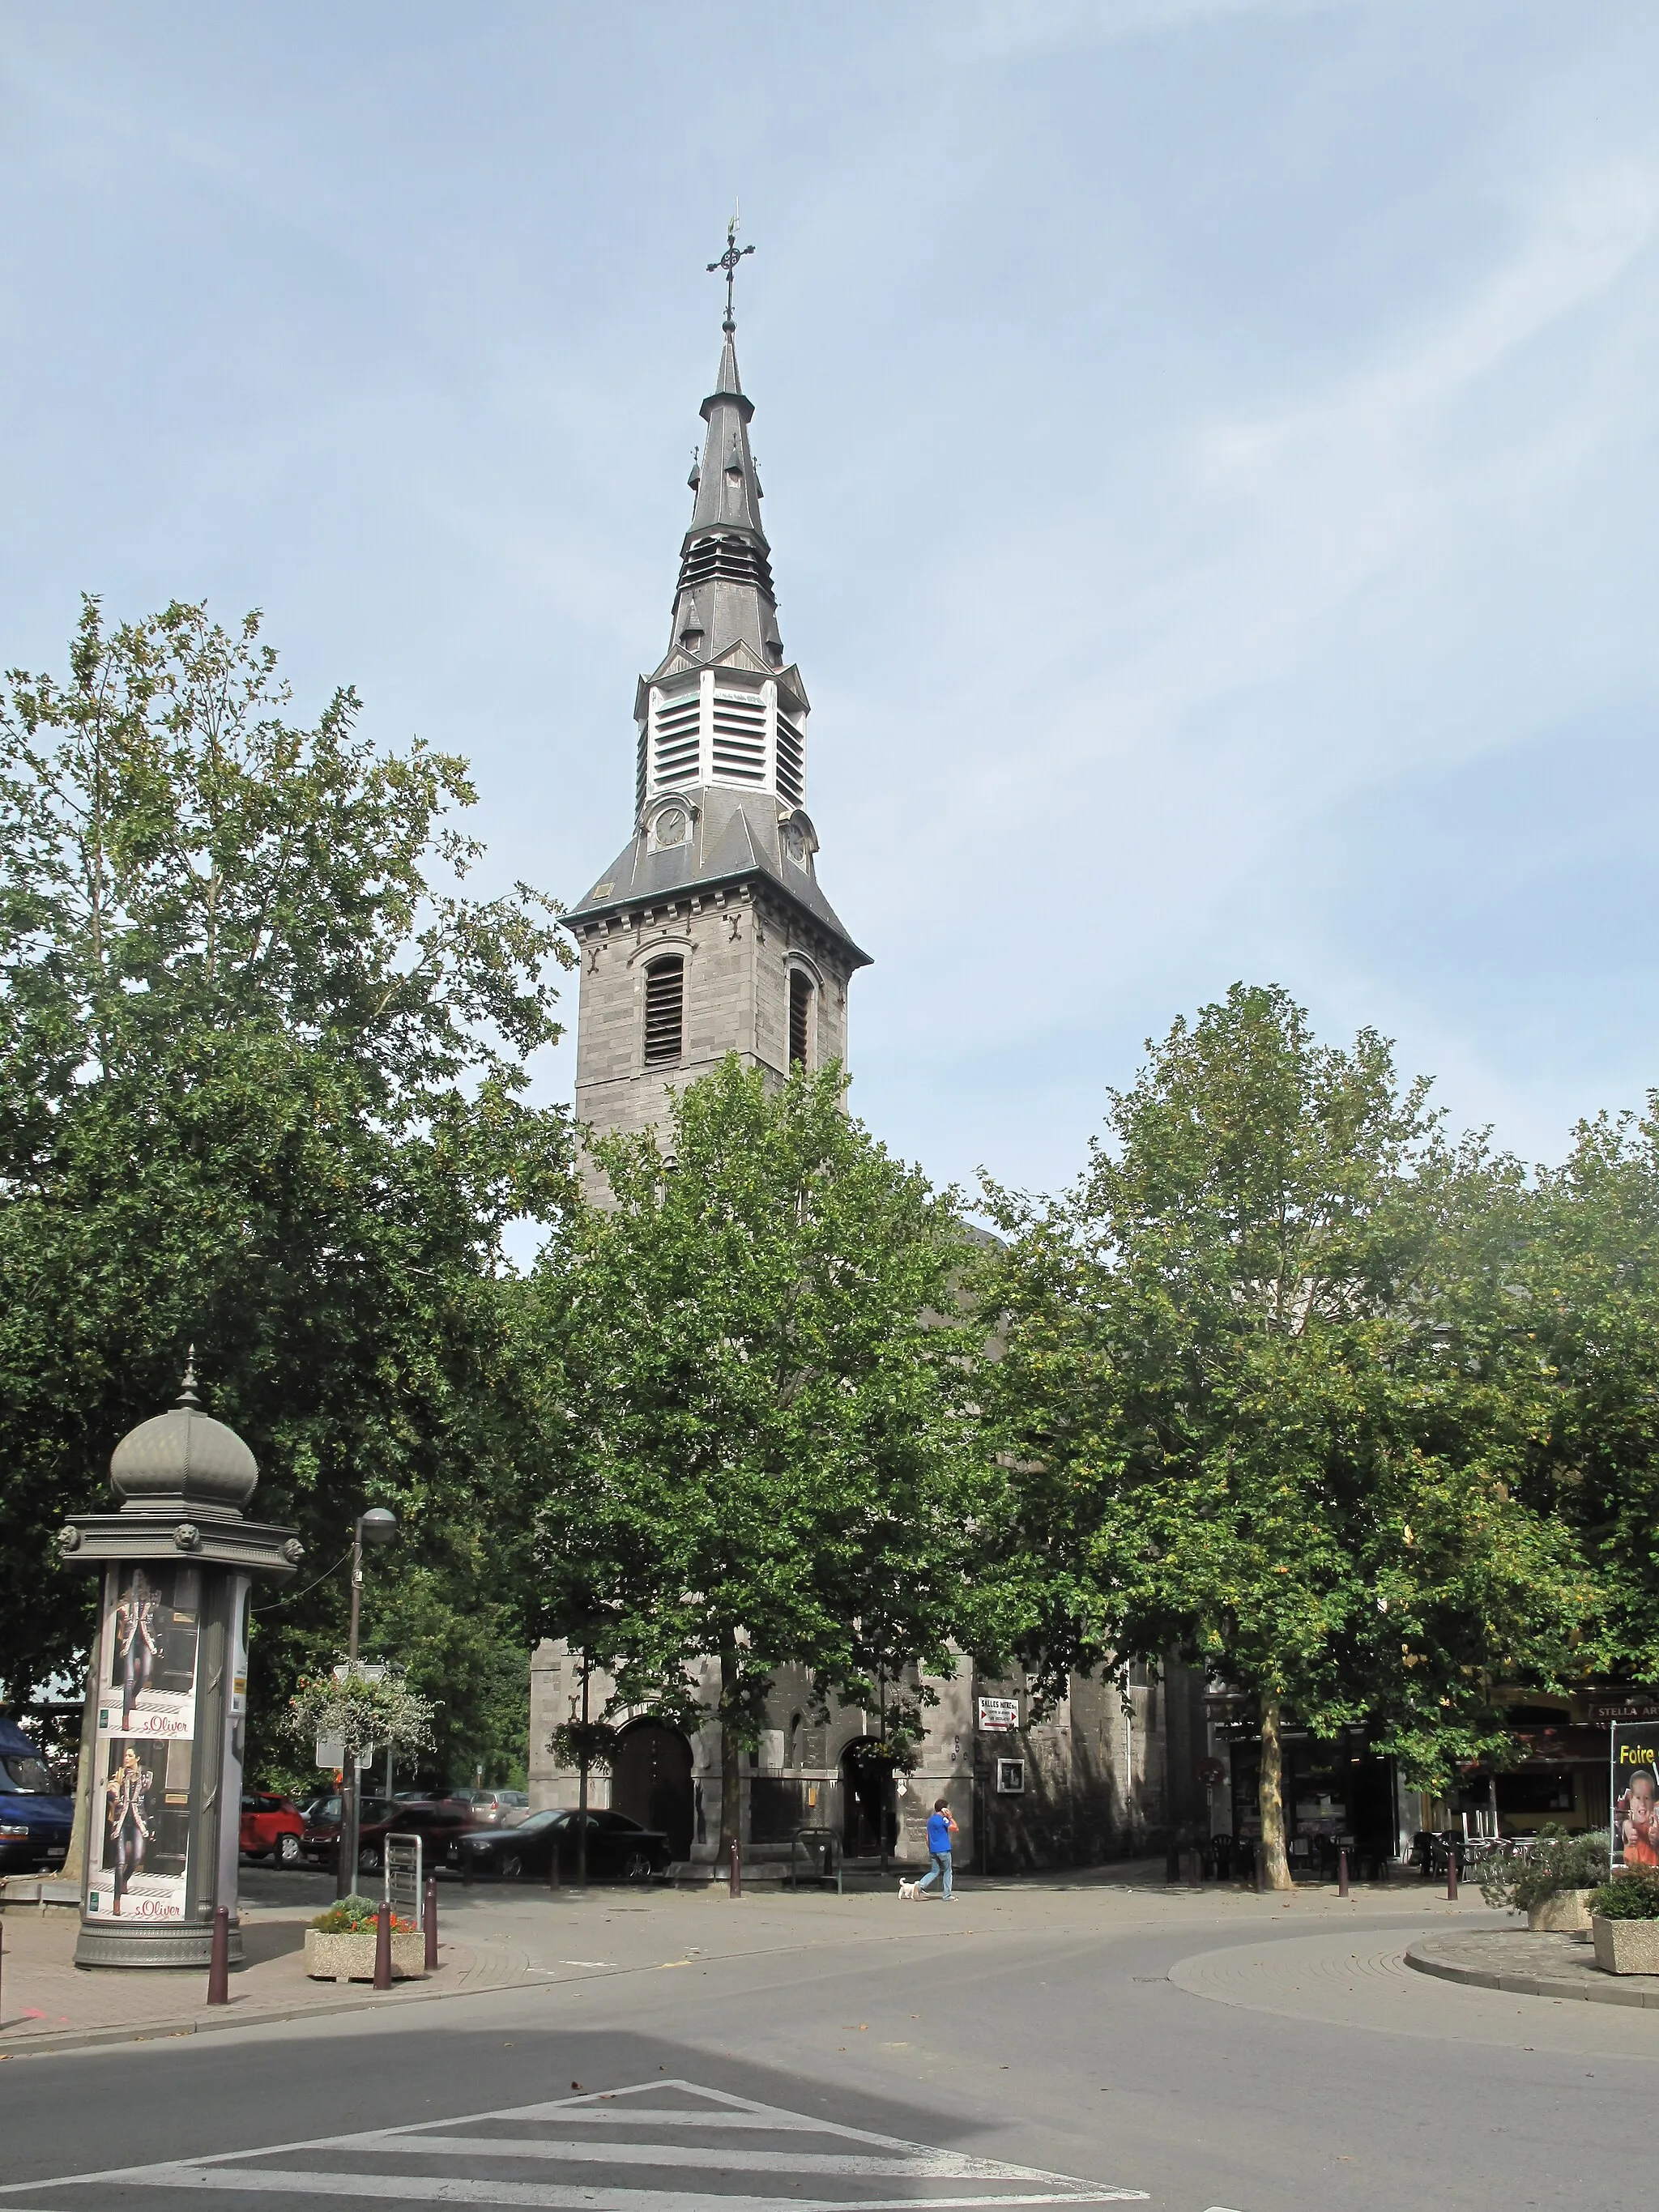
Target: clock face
x=671 y=826
x=795 y=843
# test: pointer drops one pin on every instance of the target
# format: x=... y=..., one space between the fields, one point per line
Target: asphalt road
x=969 y=2058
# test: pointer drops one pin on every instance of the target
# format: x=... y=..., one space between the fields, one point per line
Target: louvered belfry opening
x=800 y=1017
x=664 y=1011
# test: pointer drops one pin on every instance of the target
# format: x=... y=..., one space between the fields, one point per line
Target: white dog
x=910 y=1892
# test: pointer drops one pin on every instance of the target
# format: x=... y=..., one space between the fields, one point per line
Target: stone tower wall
x=740 y=946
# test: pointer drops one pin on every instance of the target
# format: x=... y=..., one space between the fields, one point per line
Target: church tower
x=709 y=933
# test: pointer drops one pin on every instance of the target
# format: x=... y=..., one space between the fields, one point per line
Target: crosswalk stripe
x=945 y=2165
x=428 y=2189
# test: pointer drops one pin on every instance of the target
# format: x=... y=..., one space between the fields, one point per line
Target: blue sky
x=1210 y=453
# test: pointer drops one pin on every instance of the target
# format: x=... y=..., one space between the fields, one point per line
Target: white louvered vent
x=739 y=737
x=792 y=762
x=639 y=771
x=677 y=740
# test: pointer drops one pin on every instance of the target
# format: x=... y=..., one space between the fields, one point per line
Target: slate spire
x=725 y=591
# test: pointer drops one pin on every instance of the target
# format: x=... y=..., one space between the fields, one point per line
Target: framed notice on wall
x=145 y=1759
x=999 y=1714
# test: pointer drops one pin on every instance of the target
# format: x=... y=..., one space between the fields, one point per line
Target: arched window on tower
x=664 y=1011
x=800 y=1017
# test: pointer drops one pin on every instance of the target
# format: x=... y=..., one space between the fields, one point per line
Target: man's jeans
x=941 y=1866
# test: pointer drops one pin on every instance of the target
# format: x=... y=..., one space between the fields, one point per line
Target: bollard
x=383 y=1948
x=1171 y=1864
x=1451 y=1875
x=1342 y=1874
x=737 y=1869
x=1261 y=1871
x=219 y=1957
x=430 y=1961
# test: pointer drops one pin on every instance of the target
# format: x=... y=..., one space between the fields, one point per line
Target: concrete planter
x=1566 y=1913
x=1625 y=1947
x=351 y=1958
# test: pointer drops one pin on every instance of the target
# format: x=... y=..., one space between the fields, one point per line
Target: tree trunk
x=75 y=1865
x=1275 y=1865
x=730 y=1776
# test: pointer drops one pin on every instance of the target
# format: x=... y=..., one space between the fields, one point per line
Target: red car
x=271 y=1828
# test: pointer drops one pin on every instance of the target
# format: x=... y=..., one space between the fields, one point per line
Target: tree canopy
x=1239 y=1430
x=757 y=1435
x=261 y=1070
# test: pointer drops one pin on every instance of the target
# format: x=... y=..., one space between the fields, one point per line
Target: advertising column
x=170 y=1683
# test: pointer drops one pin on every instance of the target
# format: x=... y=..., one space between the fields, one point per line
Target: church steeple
x=721 y=708
x=725 y=591
x=709 y=933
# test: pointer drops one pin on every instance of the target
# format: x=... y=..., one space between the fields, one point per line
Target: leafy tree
x=757 y=1439
x=261 y=1067
x=458 y=1642
x=1234 y=1424
x=1576 y=1320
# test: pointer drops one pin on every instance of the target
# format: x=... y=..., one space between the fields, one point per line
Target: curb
x=45 y=2045
x=1422 y=1958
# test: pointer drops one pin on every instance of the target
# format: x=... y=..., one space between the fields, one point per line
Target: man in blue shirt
x=941 y=1829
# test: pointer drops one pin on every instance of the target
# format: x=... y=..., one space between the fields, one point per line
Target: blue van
x=34 y=1820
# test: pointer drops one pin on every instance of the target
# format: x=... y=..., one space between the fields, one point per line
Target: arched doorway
x=869 y=1800
x=650 y=1782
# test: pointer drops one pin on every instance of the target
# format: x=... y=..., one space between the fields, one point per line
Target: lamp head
x=377 y=1526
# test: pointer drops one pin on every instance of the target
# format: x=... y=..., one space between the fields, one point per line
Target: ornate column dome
x=183 y=1457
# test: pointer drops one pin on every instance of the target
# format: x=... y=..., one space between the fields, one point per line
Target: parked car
x=34 y=1819
x=321 y=1832
x=271 y=1828
x=439 y=1825
x=618 y=1848
x=492 y=1808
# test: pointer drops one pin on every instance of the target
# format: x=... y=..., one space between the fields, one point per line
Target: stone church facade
x=709 y=934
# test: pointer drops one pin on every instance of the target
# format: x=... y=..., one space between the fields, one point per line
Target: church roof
x=734 y=836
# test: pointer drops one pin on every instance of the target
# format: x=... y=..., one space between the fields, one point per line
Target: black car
x=618 y=1848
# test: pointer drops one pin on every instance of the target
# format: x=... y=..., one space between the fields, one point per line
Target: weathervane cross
x=728 y=261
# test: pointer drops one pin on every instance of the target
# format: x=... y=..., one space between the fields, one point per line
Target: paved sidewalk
x=502 y=1937
x=47 y=2003
x=1531 y=1964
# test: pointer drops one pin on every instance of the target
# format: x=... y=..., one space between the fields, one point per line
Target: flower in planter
x=357 y=1915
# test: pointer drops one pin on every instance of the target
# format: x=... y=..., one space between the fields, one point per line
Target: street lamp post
x=377 y=1526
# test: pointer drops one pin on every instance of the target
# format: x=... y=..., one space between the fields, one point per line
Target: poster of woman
x=1635 y=1795
x=147 y=1670
x=146 y=1745
x=141 y=1847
